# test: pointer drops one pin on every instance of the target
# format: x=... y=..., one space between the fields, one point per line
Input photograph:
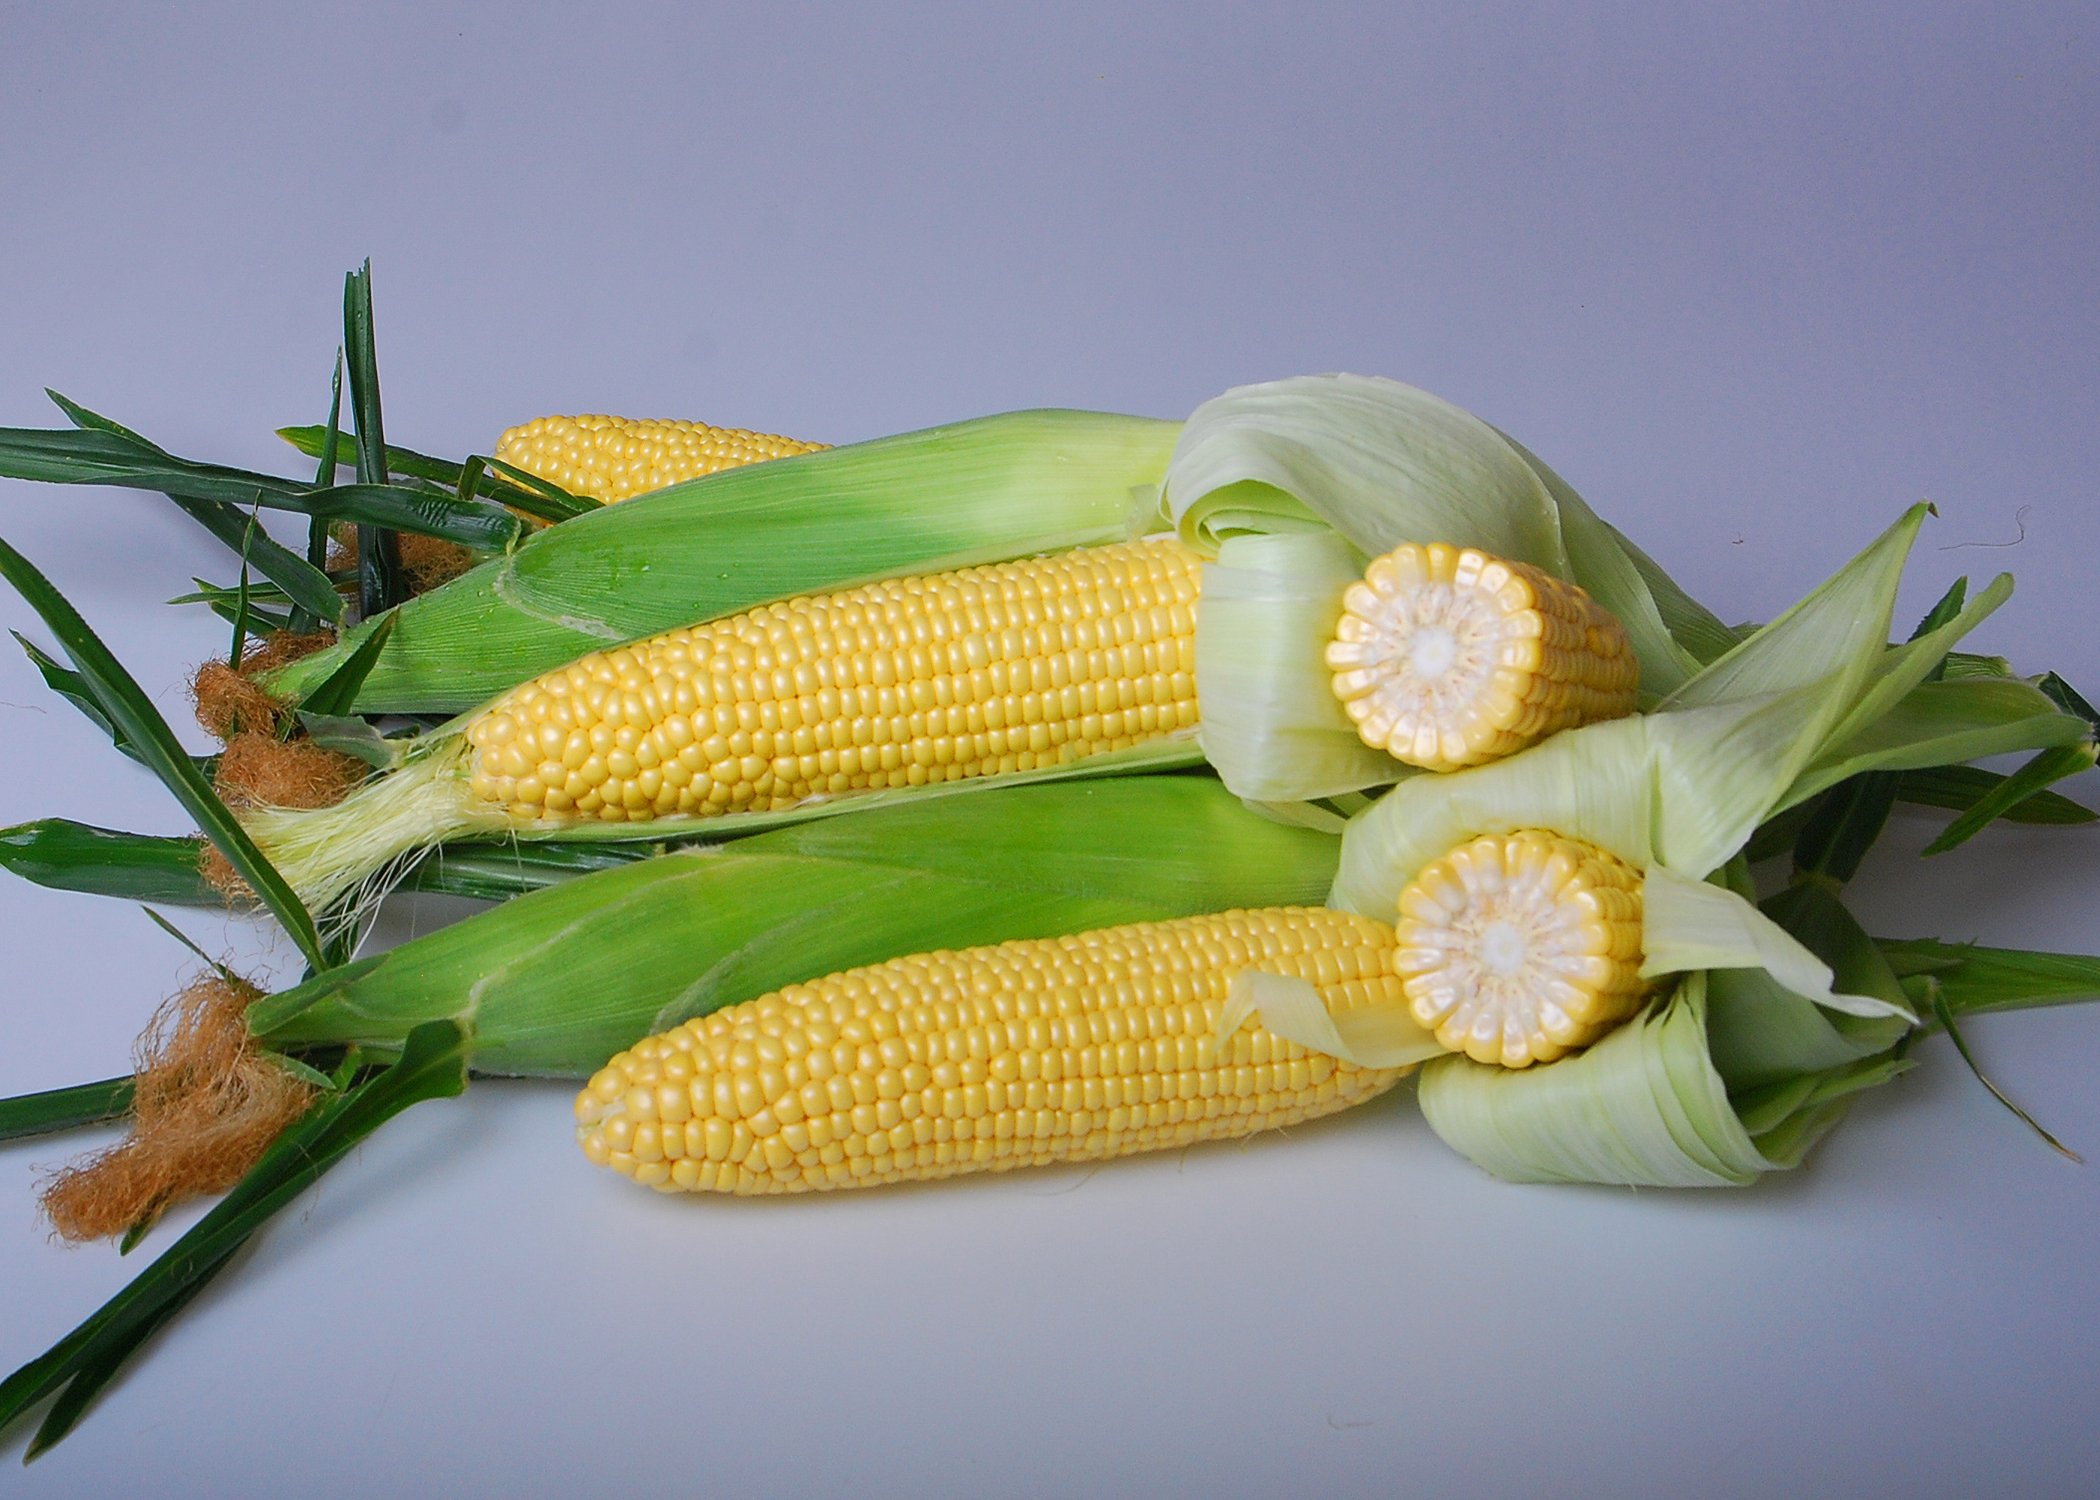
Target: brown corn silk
x=207 y=1105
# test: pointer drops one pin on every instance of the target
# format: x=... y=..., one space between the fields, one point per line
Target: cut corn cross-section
x=1446 y=657
x=1517 y=950
x=617 y=458
x=1028 y=1053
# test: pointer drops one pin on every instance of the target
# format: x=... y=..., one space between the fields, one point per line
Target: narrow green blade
x=2049 y=766
x=63 y=1109
x=312 y=440
x=66 y=856
x=132 y=712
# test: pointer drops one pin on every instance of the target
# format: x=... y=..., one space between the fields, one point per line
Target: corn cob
x=1013 y=668
x=1446 y=657
x=617 y=458
x=1004 y=668
x=1032 y=1052
x=1518 y=950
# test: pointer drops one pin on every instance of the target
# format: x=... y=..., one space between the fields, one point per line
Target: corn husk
x=554 y=982
x=1291 y=486
x=947 y=497
x=1771 y=1019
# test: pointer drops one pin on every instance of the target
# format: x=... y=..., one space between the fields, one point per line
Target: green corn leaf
x=1959 y=788
x=1943 y=723
x=556 y=981
x=312 y=441
x=350 y=735
x=132 y=712
x=334 y=694
x=2067 y=698
x=479 y=478
x=1945 y=1015
x=302 y=620
x=395 y=507
x=947 y=497
x=1975 y=980
x=552 y=500
x=499 y=871
x=54 y=1110
x=1847 y=821
x=68 y=856
x=381 y=584
x=72 y=687
x=432 y=1065
x=2049 y=766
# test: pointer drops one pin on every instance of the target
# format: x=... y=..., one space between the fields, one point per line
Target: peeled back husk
x=1772 y=1017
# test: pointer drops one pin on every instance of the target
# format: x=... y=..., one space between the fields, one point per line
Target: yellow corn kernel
x=1518 y=949
x=1446 y=657
x=616 y=458
x=1033 y=1052
x=1011 y=667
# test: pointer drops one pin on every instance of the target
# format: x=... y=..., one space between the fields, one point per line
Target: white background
x=1753 y=278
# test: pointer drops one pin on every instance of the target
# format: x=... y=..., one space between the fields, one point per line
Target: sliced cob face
x=936 y=678
x=1518 y=949
x=1065 y=1049
x=1445 y=657
x=616 y=458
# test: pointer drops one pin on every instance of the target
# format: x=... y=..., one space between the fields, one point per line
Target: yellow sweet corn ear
x=1518 y=949
x=1064 y=1049
x=914 y=680
x=1446 y=657
x=616 y=458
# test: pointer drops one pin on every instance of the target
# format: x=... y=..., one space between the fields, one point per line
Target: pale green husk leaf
x=1271 y=722
x=1690 y=924
x=1273 y=480
x=1372 y=1036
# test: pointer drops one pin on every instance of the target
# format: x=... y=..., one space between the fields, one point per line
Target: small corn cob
x=1446 y=657
x=914 y=680
x=1032 y=1052
x=617 y=458
x=1517 y=950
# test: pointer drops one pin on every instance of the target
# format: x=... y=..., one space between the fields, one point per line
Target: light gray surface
x=1753 y=278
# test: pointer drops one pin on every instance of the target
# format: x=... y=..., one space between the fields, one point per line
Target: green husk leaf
x=499 y=871
x=312 y=441
x=2068 y=698
x=432 y=1065
x=1845 y=824
x=332 y=697
x=1975 y=980
x=381 y=584
x=1959 y=788
x=68 y=856
x=1945 y=1015
x=398 y=507
x=557 y=981
x=131 y=711
x=973 y=492
x=2038 y=773
x=1941 y=723
x=54 y=1110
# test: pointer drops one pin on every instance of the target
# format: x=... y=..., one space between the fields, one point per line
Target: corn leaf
x=396 y=507
x=2002 y=800
x=312 y=440
x=556 y=981
x=1942 y=723
x=1959 y=788
x=66 y=856
x=334 y=694
x=974 y=492
x=432 y=1065
x=1976 y=980
x=129 y=710
x=54 y=1110
x=381 y=584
